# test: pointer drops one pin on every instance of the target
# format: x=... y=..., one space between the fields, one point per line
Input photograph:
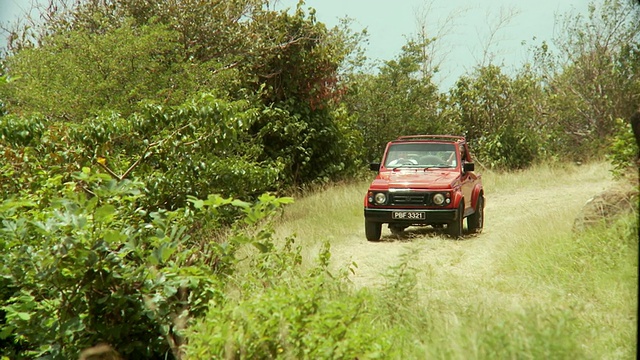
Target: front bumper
x=432 y=216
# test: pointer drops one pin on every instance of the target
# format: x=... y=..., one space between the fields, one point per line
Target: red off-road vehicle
x=424 y=180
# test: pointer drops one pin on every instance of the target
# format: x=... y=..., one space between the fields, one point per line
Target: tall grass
x=592 y=277
x=330 y=215
x=549 y=296
x=546 y=175
x=326 y=213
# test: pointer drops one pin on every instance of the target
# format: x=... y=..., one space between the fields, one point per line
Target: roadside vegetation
x=150 y=150
x=528 y=287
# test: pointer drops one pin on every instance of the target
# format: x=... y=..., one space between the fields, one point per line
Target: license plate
x=408 y=215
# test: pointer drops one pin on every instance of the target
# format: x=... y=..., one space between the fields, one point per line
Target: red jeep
x=424 y=180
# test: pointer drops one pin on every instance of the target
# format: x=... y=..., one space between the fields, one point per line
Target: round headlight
x=381 y=198
x=438 y=199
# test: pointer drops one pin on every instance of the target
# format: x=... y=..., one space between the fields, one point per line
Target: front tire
x=475 y=221
x=455 y=228
x=372 y=230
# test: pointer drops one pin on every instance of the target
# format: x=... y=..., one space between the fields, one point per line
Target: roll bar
x=431 y=137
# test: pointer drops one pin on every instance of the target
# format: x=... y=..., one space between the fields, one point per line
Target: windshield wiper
x=438 y=167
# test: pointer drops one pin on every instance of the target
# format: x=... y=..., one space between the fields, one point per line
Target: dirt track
x=505 y=211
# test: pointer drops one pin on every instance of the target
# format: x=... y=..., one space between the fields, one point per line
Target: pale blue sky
x=463 y=40
x=464 y=36
x=9 y=9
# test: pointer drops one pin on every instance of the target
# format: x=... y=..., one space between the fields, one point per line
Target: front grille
x=409 y=199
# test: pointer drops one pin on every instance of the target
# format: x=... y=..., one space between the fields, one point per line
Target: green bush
x=401 y=100
x=102 y=64
x=498 y=114
x=36 y=154
x=205 y=145
x=193 y=149
x=90 y=265
x=508 y=148
x=82 y=73
x=623 y=152
x=283 y=312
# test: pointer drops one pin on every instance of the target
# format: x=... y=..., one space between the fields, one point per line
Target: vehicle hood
x=416 y=179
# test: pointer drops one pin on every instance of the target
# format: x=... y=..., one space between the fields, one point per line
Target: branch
x=226 y=67
x=108 y=170
x=143 y=156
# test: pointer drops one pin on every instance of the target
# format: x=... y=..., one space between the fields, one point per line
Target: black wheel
x=455 y=228
x=475 y=221
x=372 y=230
x=396 y=229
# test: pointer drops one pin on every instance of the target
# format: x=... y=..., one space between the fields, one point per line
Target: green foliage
x=499 y=116
x=400 y=100
x=67 y=265
x=592 y=79
x=3 y=82
x=190 y=149
x=311 y=135
x=623 y=152
x=102 y=64
x=79 y=73
x=509 y=148
x=282 y=312
x=316 y=146
x=22 y=132
x=37 y=156
x=177 y=100
x=87 y=269
x=299 y=72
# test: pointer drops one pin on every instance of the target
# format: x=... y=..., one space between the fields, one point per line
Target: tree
x=400 y=100
x=500 y=115
x=115 y=58
x=593 y=78
x=79 y=73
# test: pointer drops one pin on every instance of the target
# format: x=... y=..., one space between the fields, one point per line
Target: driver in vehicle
x=451 y=160
x=401 y=158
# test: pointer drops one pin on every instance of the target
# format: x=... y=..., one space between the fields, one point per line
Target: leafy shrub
x=401 y=100
x=507 y=148
x=623 y=152
x=191 y=149
x=82 y=73
x=93 y=266
x=499 y=114
x=205 y=145
x=102 y=64
x=591 y=80
x=283 y=312
x=36 y=154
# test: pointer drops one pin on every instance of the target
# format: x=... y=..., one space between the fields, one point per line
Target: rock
x=607 y=205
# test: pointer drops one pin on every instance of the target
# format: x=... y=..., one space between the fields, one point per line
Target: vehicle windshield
x=421 y=155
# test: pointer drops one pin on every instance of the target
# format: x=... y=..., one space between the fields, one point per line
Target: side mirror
x=374 y=166
x=468 y=166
